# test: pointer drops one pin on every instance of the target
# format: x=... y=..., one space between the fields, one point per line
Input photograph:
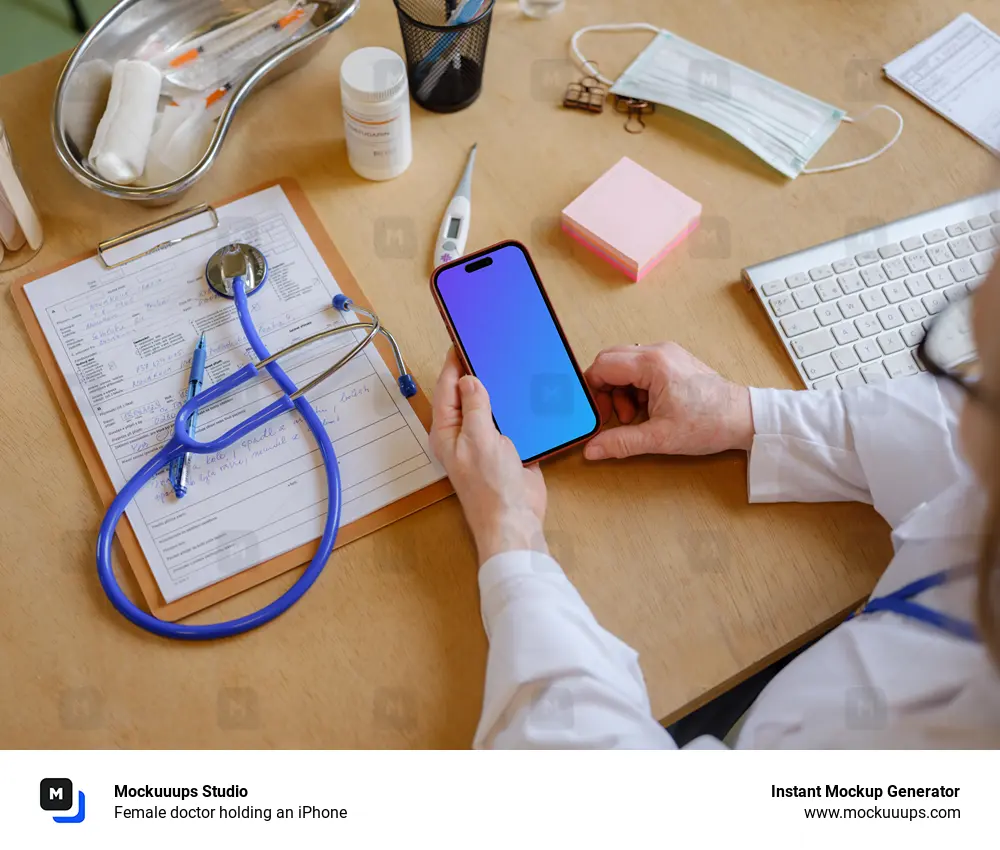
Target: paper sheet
x=124 y=338
x=956 y=72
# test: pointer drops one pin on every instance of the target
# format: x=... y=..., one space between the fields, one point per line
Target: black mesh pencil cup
x=445 y=61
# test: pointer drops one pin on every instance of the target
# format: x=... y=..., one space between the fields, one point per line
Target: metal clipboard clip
x=153 y=227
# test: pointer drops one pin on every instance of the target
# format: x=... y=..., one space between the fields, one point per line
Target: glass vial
x=541 y=8
x=20 y=226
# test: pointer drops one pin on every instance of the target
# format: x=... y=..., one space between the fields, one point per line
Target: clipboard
x=134 y=557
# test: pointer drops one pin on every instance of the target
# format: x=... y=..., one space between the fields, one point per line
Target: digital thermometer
x=455 y=227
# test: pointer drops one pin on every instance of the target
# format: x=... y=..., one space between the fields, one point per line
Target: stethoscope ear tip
x=341 y=302
x=407 y=386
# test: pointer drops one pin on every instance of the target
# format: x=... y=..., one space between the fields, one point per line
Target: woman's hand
x=687 y=408
x=504 y=502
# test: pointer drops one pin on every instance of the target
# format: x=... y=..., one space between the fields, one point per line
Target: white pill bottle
x=376 y=103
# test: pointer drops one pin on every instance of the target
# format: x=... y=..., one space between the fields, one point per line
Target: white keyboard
x=853 y=311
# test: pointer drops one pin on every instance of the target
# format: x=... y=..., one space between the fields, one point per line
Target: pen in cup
x=181 y=468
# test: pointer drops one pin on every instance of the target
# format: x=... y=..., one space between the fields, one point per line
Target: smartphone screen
x=513 y=343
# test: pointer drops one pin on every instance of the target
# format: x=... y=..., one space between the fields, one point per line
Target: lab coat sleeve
x=891 y=444
x=554 y=677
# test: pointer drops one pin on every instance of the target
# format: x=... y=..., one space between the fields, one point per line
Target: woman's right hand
x=668 y=402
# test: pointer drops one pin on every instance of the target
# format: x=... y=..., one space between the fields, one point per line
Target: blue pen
x=180 y=468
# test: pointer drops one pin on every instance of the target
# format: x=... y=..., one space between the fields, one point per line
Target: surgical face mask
x=782 y=126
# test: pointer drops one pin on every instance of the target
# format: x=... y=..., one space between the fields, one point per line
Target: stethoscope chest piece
x=236 y=260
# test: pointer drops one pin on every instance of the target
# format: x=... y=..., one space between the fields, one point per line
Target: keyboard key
x=918 y=285
x=845 y=332
x=814 y=343
x=995 y=215
x=851 y=306
x=782 y=305
x=895 y=268
x=918 y=261
x=845 y=358
x=890 y=318
x=797 y=279
x=979 y=222
x=850 y=379
x=918 y=361
x=826 y=384
x=938 y=254
x=828 y=290
x=940 y=278
x=972 y=284
x=900 y=365
x=821 y=272
x=912 y=335
x=873 y=299
x=961 y=247
x=773 y=288
x=806 y=297
x=873 y=276
x=982 y=263
x=895 y=292
x=912 y=243
x=936 y=235
x=819 y=366
x=957 y=229
x=844 y=265
x=983 y=241
x=868 y=326
x=955 y=293
x=912 y=311
x=866 y=258
x=934 y=303
x=890 y=343
x=873 y=372
x=867 y=350
x=851 y=283
x=962 y=270
x=828 y=314
x=800 y=323
x=893 y=249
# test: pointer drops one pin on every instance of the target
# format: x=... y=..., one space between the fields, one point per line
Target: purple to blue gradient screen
x=514 y=348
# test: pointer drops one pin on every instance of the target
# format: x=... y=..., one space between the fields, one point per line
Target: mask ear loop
x=870 y=157
x=591 y=67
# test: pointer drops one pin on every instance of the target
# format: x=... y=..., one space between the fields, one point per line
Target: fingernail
x=466 y=385
x=594 y=453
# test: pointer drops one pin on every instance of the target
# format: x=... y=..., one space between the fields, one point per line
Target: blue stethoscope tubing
x=181 y=443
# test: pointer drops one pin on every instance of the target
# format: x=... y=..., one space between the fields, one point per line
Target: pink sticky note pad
x=631 y=218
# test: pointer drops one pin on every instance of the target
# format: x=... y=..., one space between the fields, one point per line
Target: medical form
x=956 y=72
x=124 y=337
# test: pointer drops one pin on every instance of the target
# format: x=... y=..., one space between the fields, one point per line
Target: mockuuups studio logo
x=56 y=795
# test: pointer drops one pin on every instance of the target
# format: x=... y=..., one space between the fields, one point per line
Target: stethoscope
x=237 y=271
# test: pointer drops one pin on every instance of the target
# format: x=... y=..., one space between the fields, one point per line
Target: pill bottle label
x=378 y=145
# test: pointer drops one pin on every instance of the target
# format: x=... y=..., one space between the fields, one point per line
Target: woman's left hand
x=504 y=502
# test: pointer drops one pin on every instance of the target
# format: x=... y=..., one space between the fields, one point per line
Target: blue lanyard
x=901 y=602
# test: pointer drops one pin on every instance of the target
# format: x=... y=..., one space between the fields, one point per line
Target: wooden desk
x=387 y=649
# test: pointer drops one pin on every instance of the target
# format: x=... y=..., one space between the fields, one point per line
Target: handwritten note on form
x=124 y=338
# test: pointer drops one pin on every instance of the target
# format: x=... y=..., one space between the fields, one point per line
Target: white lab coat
x=555 y=678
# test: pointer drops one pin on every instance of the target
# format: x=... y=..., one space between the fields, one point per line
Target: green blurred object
x=37 y=29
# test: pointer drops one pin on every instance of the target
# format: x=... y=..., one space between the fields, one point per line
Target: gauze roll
x=122 y=138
